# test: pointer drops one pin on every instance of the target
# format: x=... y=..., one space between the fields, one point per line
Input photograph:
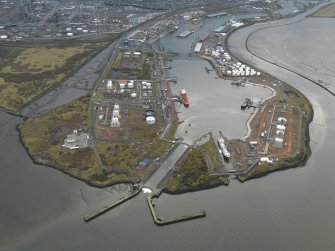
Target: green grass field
x=27 y=72
x=192 y=172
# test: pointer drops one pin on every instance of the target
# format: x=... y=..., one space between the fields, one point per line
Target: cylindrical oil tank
x=150 y=120
x=278 y=143
x=281 y=127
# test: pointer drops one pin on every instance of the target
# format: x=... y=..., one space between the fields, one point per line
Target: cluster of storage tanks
x=240 y=69
x=116 y=116
x=130 y=85
x=146 y=88
x=281 y=127
x=220 y=53
x=69 y=32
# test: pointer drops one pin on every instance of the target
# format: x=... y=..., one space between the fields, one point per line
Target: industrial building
x=76 y=140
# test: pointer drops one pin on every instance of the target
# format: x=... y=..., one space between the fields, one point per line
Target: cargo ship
x=223 y=148
x=184 y=98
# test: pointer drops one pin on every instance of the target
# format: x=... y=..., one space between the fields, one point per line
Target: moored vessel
x=184 y=97
x=223 y=148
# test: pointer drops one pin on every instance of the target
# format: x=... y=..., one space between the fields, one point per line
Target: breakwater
x=111 y=206
x=162 y=221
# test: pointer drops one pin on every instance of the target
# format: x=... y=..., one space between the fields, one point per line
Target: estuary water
x=290 y=210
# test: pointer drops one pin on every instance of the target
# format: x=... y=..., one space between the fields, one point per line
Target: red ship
x=184 y=98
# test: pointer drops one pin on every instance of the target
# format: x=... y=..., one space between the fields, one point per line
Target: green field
x=43 y=139
x=44 y=136
x=192 y=172
x=27 y=72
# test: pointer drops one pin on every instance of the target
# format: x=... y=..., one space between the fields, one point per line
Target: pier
x=161 y=221
x=110 y=206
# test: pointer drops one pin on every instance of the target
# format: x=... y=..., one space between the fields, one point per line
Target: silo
x=150 y=120
x=278 y=143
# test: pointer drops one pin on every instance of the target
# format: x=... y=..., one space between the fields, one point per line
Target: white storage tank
x=281 y=127
x=278 y=143
x=282 y=121
x=130 y=85
x=116 y=113
x=150 y=120
x=115 y=122
x=109 y=85
x=133 y=95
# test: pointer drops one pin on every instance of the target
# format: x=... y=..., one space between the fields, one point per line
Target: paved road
x=167 y=165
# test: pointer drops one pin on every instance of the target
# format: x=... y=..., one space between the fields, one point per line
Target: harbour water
x=43 y=209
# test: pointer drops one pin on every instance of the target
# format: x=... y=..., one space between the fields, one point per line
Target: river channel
x=42 y=209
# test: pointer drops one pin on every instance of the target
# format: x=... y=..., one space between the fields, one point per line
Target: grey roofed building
x=76 y=140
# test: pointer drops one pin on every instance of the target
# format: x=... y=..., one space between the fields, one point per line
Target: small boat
x=246 y=103
x=184 y=97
